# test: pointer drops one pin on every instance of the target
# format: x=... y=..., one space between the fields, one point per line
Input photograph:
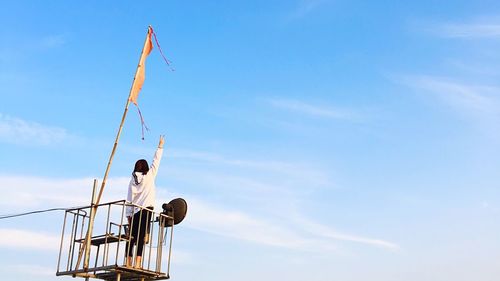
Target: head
x=141 y=166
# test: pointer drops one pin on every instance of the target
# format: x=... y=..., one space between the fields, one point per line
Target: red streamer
x=143 y=124
x=161 y=52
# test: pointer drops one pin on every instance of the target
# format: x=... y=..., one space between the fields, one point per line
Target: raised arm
x=157 y=157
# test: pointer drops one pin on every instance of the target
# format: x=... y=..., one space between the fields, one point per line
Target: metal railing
x=108 y=250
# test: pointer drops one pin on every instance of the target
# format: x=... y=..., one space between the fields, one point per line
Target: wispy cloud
x=33 y=270
x=296 y=171
x=19 y=131
x=273 y=229
x=477 y=28
x=52 y=41
x=305 y=7
x=328 y=232
x=264 y=185
x=301 y=107
x=38 y=192
x=28 y=240
x=236 y=224
x=270 y=229
x=26 y=47
x=292 y=233
x=468 y=30
x=474 y=67
x=471 y=99
x=183 y=257
x=486 y=205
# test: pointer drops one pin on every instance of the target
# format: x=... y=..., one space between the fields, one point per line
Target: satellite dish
x=177 y=208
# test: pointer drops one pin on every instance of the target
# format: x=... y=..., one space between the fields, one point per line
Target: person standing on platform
x=141 y=192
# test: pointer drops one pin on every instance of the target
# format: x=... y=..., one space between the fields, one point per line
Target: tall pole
x=146 y=41
x=93 y=209
x=95 y=201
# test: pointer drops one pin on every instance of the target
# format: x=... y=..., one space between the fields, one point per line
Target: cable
x=32 y=212
x=162 y=243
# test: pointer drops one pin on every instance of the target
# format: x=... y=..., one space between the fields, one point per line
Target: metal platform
x=106 y=255
x=123 y=273
x=131 y=274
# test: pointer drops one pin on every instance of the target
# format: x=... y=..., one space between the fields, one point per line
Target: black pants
x=140 y=226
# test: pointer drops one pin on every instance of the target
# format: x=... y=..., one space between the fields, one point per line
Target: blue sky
x=313 y=139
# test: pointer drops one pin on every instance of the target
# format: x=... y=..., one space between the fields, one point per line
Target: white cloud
x=239 y=225
x=265 y=223
x=289 y=232
x=469 y=30
x=29 y=269
x=299 y=173
x=271 y=230
x=31 y=240
x=38 y=192
x=474 y=67
x=182 y=257
x=52 y=41
x=19 y=131
x=24 y=49
x=478 y=100
x=486 y=205
x=328 y=232
x=305 y=7
x=314 y=110
x=267 y=186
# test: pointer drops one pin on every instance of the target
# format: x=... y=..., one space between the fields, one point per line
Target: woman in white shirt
x=141 y=192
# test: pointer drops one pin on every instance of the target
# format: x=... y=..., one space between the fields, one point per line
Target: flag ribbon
x=141 y=73
x=161 y=52
x=143 y=124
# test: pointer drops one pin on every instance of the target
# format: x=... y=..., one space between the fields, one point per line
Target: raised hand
x=162 y=141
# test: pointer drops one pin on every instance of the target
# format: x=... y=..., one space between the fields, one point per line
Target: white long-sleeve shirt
x=144 y=193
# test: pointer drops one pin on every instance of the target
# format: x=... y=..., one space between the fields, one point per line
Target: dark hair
x=141 y=166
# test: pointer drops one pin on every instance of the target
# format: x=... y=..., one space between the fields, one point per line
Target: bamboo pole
x=123 y=118
x=93 y=209
x=98 y=199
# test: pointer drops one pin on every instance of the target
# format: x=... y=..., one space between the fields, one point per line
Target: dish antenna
x=176 y=209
